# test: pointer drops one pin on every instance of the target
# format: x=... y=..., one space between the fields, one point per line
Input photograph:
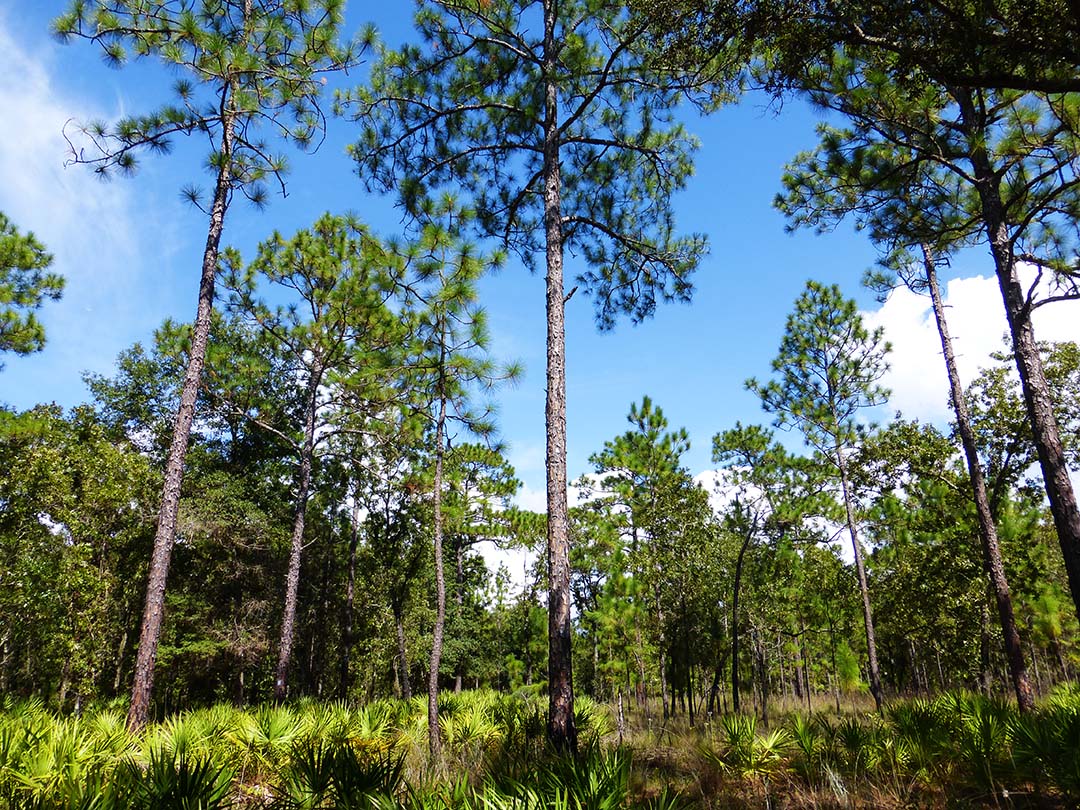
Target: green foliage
x=244 y=69
x=827 y=367
x=74 y=513
x=466 y=110
x=24 y=287
x=325 y=756
x=339 y=777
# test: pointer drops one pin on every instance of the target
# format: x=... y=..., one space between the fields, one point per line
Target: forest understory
x=956 y=750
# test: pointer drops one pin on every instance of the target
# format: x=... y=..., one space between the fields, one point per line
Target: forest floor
x=956 y=750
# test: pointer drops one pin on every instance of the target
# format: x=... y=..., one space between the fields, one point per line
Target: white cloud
x=97 y=232
x=535 y=500
x=527 y=458
x=977 y=323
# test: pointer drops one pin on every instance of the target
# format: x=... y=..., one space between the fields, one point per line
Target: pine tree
x=339 y=340
x=548 y=117
x=246 y=68
x=828 y=368
x=927 y=163
x=451 y=366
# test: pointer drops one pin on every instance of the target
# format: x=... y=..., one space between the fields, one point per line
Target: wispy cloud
x=100 y=235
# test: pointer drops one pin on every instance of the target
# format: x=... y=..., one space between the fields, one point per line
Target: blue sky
x=130 y=249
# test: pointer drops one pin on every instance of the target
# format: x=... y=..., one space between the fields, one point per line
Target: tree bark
x=350 y=597
x=864 y=588
x=165 y=536
x=1037 y=396
x=763 y=676
x=403 y=654
x=561 y=729
x=663 y=660
x=988 y=538
x=459 y=600
x=434 y=738
x=805 y=666
x=689 y=670
x=735 y=625
x=292 y=577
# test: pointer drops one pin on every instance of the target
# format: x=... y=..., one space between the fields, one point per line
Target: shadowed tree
x=828 y=368
x=548 y=117
x=247 y=69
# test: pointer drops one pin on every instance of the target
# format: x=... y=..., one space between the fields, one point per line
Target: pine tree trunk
x=864 y=588
x=834 y=678
x=434 y=738
x=119 y=671
x=165 y=536
x=763 y=677
x=988 y=538
x=805 y=666
x=350 y=598
x=1035 y=661
x=459 y=600
x=714 y=691
x=663 y=660
x=735 y=624
x=296 y=548
x=402 y=653
x=1059 y=654
x=1037 y=395
x=561 y=729
x=687 y=666
x=782 y=691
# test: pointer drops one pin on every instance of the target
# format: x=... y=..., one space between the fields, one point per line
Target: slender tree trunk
x=561 y=729
x=735 y=624
x=763 y=677
x=988 y=538
x=663 y=660
x=913 y=661
x=805 y=666
x=1037 y=396
x=434 y=738
x=119 y=672
x=1059 y=654
x=714 y=691
x=620 y=720
x=686 y=661
x=834 y=678
x=292 y=576
x=796 y=680
x=1035 y=662
x=640 y=693
x=783 y=689
x=403 y=653
x=459 y=599
x=864 y=588
x=165 y=536
x=350 y=597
